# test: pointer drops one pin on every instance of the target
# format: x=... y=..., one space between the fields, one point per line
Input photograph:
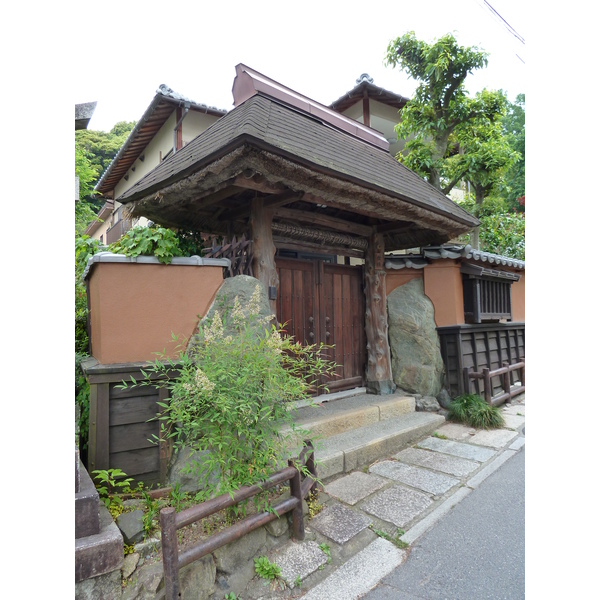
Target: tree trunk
x=479 y=197
x=263 y=247
x=379 y=362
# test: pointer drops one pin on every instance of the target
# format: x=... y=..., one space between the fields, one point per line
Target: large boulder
x=417 y=364
x=244 y=288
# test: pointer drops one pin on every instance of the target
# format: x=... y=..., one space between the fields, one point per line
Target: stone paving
x=402 y=495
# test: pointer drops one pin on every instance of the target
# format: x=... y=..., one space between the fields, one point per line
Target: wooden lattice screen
x=239 y=252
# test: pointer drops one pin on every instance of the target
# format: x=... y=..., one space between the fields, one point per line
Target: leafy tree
x=502 y=230
x=483 y=159
x=441 y=104
x=513 y=186
x=101 y=146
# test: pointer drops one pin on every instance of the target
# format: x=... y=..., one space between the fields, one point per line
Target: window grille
x=487 y=294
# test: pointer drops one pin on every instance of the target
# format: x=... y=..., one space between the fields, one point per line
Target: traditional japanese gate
x=324 y=302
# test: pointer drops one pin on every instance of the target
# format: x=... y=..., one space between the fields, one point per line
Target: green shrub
x=231 y=397
x=473 y=410
x=149 y=241
x=266 y=569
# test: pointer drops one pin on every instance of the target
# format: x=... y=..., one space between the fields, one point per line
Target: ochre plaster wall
x=443 y=286
x=518 y=298
x=134 y=308
x=394 y=279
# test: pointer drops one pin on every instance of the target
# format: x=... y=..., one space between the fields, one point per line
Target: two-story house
x=169 y=123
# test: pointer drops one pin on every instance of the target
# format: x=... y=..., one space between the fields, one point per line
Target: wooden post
x=487 y=385
x=261 y=219
x=379 y=360
x=170 y=552
x=99 y=440
x=297 y=514
x=506 y=379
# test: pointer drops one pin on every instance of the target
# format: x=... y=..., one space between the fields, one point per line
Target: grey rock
x=298 y=560
x=427 y=404
x=131 y=525
x=145 y=583
x=233 y=556
x=278 y=527
x=103 y=587
x=185 y=472
x=417 y=364
x=444 y=399
x=129 y=564
x=242 y=287
x=197 y=580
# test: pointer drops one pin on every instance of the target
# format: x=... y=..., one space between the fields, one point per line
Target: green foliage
x=231 y=398
x=152 y=508
x=440 y=105
x=101 y=146
x=394 y=539
x=179 y=499
x=149 y=241
x=82 y=399
x=513 y=185
x=85 y=247
x=230 y=596
x=265 y=569
x=108 y=485
x=474 y=411
x=326 y=549
x=502 y=230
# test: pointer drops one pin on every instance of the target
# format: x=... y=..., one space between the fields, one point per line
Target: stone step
x=355 y=448
x=334 y=417
x=360 y=574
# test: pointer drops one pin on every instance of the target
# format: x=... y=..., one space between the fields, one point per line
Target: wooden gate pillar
x=261 y=219
x=379 y=361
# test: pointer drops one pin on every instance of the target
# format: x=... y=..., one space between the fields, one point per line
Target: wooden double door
x=324 y=302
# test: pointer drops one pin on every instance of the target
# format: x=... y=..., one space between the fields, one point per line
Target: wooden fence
x=486 y=376
x=171 y=521
x=476 y=347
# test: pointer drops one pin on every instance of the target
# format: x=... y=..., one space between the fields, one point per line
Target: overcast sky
x=316 y=48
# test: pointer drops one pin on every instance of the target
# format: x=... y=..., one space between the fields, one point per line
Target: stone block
x=87 y=505
x=340 y=523
x=423 y=479
x=459 y=449
x=457 y=431
x=298 y=560
x=395 y=407
x=397 y=505
x=101 y=553
x=361 y=573
x=452 y=465
x=354 y=487
x=493 y=438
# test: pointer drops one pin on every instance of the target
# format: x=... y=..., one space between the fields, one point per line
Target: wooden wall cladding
x=478 y=346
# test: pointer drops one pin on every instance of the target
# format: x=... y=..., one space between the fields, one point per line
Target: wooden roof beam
x=322 y=220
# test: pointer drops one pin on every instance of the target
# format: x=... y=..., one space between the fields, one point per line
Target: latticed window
x=487 y=294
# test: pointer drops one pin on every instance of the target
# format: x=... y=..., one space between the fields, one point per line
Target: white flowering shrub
x=231 y=398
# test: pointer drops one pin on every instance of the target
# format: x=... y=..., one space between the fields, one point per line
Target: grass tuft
x=474 y=411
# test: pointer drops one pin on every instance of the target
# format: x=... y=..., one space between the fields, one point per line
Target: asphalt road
x=476 y=552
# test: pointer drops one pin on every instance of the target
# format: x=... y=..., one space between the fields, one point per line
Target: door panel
x=323 y=302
